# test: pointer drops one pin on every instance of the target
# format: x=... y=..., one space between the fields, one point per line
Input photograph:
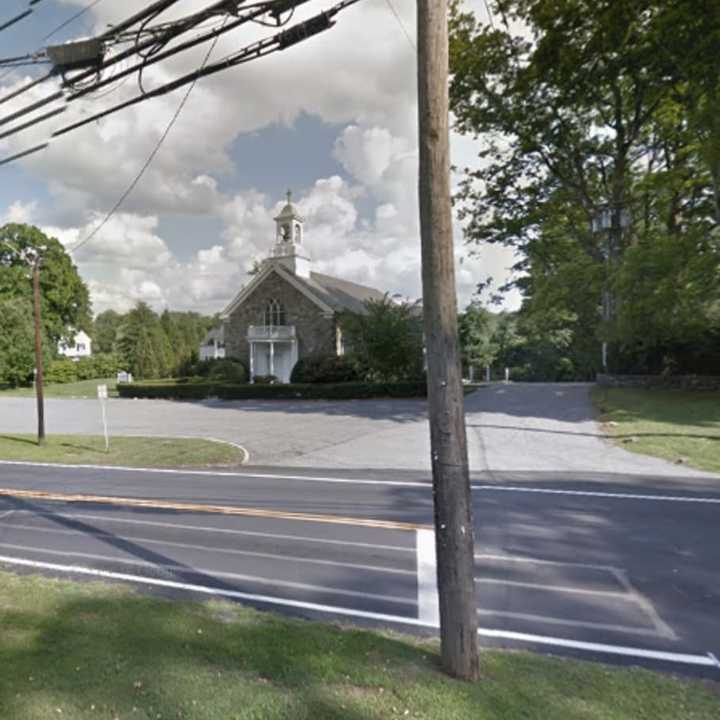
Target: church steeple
x=289 y=240
x=289 y=224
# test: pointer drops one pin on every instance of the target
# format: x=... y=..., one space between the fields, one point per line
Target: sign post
x=102 y=392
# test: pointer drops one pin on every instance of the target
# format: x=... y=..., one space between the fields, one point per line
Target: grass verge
x=80 y=389
x=681 y=426
x=130 y=451
x=89 y=650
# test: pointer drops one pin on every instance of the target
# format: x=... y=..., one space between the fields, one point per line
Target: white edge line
x=268 y=599
x=597 y=493
x=214 y=473
x=624 y=595
x=427 y=592
x=707 y=660
x=170 y=567
x=364 y=481
x=538 y=561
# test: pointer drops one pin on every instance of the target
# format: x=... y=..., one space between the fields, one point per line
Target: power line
x=152 y=10
x=293 y=35
x=178 y=28
x=276 y=8
x=21 y=16
x=401 y=24
x=16 y=19
x=151 y=157
x=72 y=19
x=281 y=41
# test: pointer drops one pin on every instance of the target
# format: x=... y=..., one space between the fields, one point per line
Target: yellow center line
x=213 y=509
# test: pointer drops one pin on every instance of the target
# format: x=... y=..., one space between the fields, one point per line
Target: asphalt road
x=622 y=570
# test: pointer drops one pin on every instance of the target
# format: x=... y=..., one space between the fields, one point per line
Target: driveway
x=515 y=431
x=551 y=429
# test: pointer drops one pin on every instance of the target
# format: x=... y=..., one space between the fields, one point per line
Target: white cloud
x=18 y=212
x=363 y=226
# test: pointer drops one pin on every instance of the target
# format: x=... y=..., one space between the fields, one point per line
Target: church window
x=285 y=232
x=298 y=232
x=274 y=313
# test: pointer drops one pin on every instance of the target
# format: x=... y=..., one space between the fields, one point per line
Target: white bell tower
x=288 y=247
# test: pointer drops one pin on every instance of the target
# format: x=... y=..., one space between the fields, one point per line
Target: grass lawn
x=671 y=424
x=81 y=389
x=81 y=651
x=132 y=451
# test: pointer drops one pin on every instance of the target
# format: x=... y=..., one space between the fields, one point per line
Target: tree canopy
x=386 y=340
x=65 y=301
x=610 y=105
x=152 y=345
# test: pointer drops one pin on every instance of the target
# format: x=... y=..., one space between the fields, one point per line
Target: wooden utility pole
x=38 y=350
x=451 y=481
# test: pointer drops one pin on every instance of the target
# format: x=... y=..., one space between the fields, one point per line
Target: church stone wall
x=315 y=332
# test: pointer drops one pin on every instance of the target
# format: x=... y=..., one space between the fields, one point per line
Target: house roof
x=215 y=333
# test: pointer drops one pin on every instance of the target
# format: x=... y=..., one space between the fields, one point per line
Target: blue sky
x=333 y=119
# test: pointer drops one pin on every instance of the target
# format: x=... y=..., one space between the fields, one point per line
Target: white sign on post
x=102 y=392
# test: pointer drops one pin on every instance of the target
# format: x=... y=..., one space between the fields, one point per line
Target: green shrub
x=106 y=365
x=217 y=369
x=62 y=370
x=325 y=369
x=307 y=391
x=65 y=370
x=227 y=370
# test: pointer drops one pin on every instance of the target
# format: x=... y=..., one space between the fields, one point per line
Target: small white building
x=80 y=347
x=213 y=345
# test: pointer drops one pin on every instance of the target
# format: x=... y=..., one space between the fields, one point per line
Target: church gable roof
x=345 y=295
x=306 y=287
x=330 y=294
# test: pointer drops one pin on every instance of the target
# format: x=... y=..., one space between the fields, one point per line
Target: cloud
x=18 y=212
x=362 y=224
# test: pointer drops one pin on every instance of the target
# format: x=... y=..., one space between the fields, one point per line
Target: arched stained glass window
x=274 y=313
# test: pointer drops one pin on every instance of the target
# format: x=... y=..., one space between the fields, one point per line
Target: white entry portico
x=273 y=350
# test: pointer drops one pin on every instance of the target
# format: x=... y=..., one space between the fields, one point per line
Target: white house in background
x=80 y=347
x=213 y=345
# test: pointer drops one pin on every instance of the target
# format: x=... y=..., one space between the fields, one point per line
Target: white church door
x=277 y=358
x=282 y=362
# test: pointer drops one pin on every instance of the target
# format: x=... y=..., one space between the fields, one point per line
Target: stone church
x=287 y=311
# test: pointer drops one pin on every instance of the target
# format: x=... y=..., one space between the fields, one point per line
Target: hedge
x=227 y=391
